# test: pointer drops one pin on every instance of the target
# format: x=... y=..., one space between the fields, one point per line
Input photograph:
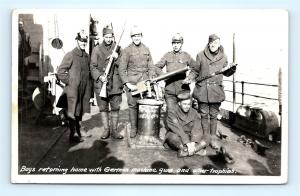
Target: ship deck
x=46 y=145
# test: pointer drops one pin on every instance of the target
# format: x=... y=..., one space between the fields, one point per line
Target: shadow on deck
x=42 y=146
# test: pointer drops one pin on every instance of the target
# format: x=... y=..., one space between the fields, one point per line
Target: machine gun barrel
x=143 y=86
x=170 y=74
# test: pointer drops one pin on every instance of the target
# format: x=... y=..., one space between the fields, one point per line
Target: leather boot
x=228 y=158
x=133 y=122
x=205 y=125
x=77 y=128
x=72 y=128
x=114 y=125
x=104 y=118
x=182 y=152
x=213 y=130
x=213 y=126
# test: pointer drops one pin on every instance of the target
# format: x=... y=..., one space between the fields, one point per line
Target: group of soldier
x=190 y=131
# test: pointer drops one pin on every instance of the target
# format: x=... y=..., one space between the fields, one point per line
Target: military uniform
x=75 y=73
x=135 y=65
x=210 y=92
x=183 y=127
x=99 y=61
x=174 y=61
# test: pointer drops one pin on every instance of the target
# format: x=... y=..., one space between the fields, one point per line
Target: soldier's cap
x=177 y=38
x=135 y=31
x=81 y=36
x=108 y=30
x=212 y=38
x=184 y=96
x=21 y=22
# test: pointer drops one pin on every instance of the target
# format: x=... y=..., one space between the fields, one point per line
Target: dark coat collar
x=186 y=117
x=79 y=52
x=212 y=57
x=107 y=47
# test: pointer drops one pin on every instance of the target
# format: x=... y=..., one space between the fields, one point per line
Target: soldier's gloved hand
x=114 y=55
x=186 y=81
x=232 y=64
x=131 y=87
x=102 y=78
x=191 y=148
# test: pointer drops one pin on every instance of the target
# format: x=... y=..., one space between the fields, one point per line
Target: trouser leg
x=213 y=113
x=204 y=112
x=173 y=141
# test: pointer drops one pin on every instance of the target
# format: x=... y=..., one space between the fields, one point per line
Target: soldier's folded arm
x=173 y=124
x=63 y=69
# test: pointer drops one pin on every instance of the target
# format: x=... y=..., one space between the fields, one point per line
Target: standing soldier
x=175 y=60
x=99 y=60
x=210 y=92
x=75 y=73
x=135 y=65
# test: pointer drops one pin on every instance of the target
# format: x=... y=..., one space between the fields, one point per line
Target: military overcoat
x=210 y=90
x=99 y=62
x=75 y=73
x=186 y=125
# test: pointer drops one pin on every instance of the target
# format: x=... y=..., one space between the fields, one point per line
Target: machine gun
x=103 y=92
x=145 y=85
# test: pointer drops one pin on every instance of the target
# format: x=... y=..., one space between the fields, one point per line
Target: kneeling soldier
x=185 y=132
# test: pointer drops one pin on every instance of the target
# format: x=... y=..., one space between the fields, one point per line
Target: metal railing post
x=233 y=93
x=242 y=92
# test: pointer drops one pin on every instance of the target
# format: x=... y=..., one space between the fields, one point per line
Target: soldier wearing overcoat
x=99 y=61
x=74 y=72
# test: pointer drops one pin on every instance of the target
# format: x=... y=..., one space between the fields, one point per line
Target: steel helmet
x=135 y=31
x=177 y=38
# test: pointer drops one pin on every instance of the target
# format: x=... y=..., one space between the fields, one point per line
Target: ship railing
x=243 y=94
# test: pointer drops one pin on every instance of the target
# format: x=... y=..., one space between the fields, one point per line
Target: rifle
x=145 y=85
x=103 y=92
x=227 y=71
